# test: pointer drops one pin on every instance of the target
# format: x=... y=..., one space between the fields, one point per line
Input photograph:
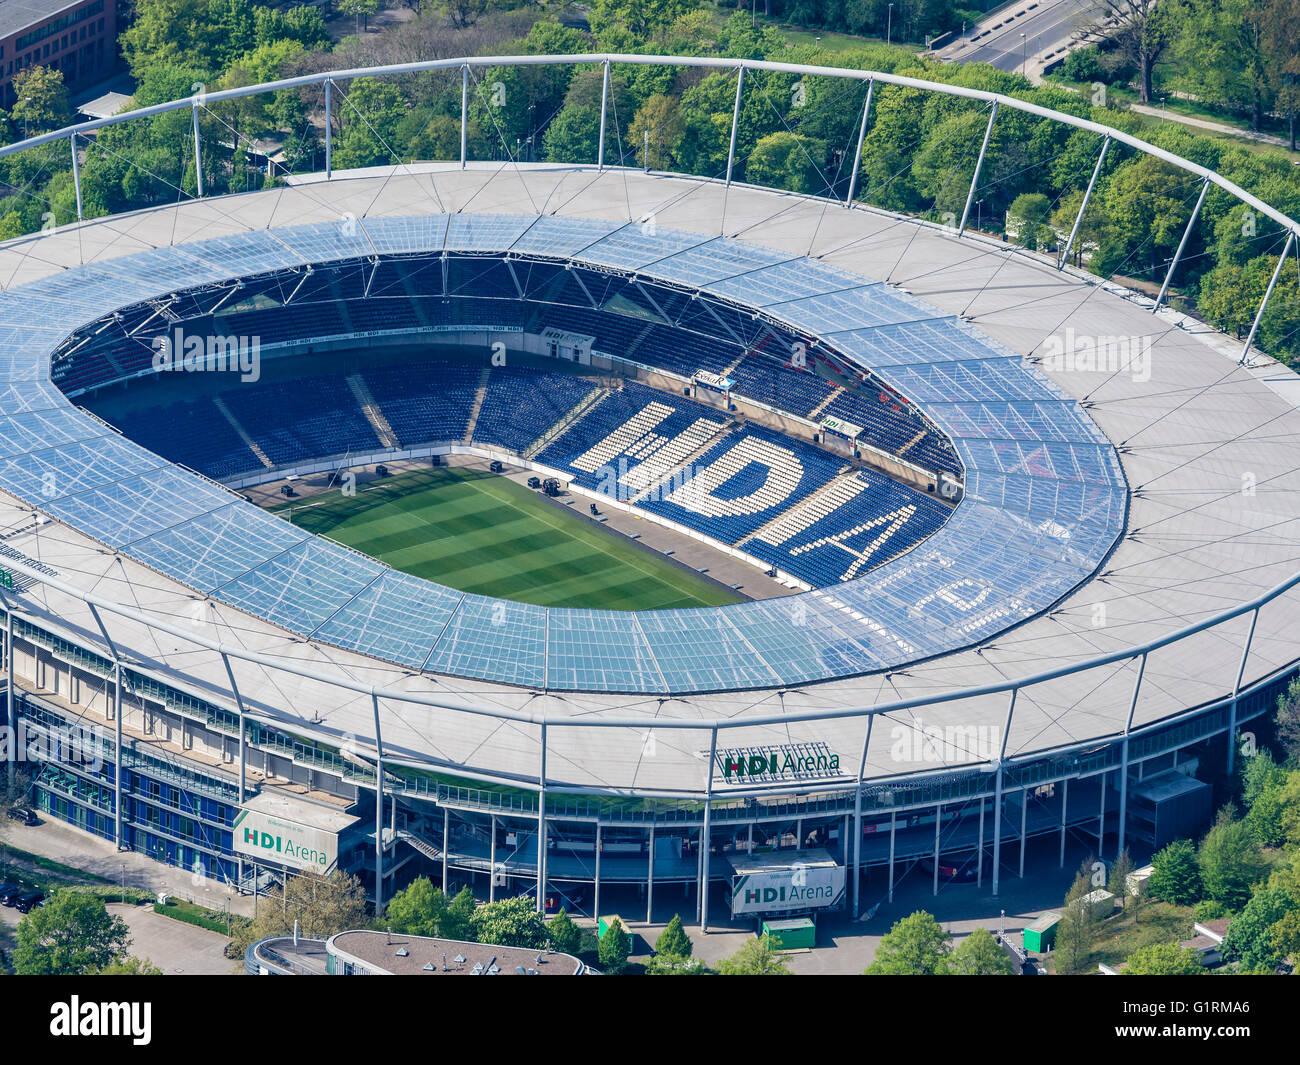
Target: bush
x=1175 y=874
x=198 y=916
x=673 y=939
x=1209 y=910
x=615 y=946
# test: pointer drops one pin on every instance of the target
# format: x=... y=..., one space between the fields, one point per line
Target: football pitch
x=489 y=535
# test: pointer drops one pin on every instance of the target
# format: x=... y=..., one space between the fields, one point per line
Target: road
x=1046 y=25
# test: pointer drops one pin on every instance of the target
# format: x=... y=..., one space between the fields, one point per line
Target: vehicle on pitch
x=497 y=467
x=24 y=815
x=534 y=482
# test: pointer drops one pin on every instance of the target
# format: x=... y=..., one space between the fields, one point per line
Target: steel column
x=857 y=817
x=76 y=174
x=1123 y=780
x=379 y=811
x=704 y=833
x=492 y=860
x=446 y=844
x=329 y=128
x=604 y=103
x=979 y=165
x=997 y=792
x=198 y=150
x=735 y=123
x=10 y=716
x=1268 y=292
x=1024 y=817
x=1078 y=220
x=1236 y=689
x=541 y=830
x=857 y=155
x=938 y=820
x=1101 y=816
x=595 y=902
x=1182 y=243
x=464 y=113
x=1065 y=802
x=979 y=859
x=649 y=880
x=893 y=825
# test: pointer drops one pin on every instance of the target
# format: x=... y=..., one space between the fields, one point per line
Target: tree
x=510 y=923
x=756 y=958
x=675 y=965
x=1231 y=863
x=40 y=101
x=573 y=135
x=322 y=906
x=566 y=937
x=360 y=10
x=1078 y=927
x=1142 y=30
x=1117 y=884
x=1220 y=49
x=915 y=946
x=1175 y=874
x=979 y=954
x=130 y=966
x=786 y=160
x=457 y=922
x=659 y=125
x=1250 y=940
x=73 y=934
x=642 y=18
x=418 y=910
x=1164 y=959
x=674 y=940
x=615 y=945
x=1030 y=213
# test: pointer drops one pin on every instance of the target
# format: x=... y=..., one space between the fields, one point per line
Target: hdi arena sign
x=757 y=765
x=270 y=838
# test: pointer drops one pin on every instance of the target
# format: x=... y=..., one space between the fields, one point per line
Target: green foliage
x=755 y=958
x=1250 y=938
x=130 y=966
x=675 y=965
x=40 y=101
x=785 y=160
x=1175 y=874
x=322 y=906
x=674 y=940
x=565 y=936
x=1230 y=863
x=615 y=946
x=1030 y=213
x=1078 y=927
x=1210 y=910
x=198 y=916
x=917 y=945
x=510 y=923
x=73 y=934
x=1163 y=959
x=979 y=954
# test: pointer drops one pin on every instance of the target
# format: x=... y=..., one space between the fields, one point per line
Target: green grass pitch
x=481 y=533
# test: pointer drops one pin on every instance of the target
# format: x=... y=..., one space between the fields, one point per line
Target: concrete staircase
x=477 y=405
x=249 y=442
x=366 y=401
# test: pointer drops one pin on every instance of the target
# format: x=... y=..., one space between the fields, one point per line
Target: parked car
x=9 y=895
x=28 y=901
x=22 y=814
x=959 y=869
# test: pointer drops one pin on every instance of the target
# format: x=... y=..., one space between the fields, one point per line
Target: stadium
x=997 y=550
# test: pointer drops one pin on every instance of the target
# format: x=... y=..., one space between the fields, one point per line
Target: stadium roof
x=1045 y=493
x=1188 y=432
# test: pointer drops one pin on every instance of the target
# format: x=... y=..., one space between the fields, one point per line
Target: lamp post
x=889 y=26
x=979 y=212
x=1024 y=54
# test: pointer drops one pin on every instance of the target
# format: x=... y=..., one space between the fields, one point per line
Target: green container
x=603 y=924
x=797 y=933
x=1041 y=934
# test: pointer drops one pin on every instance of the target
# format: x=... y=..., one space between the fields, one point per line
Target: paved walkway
x=63 y=843
x=1205 y=123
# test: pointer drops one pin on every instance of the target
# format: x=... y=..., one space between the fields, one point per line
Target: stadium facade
x=1039 y=539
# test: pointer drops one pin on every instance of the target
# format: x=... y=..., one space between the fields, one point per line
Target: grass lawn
x=1118 y=936
x=489 y=535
